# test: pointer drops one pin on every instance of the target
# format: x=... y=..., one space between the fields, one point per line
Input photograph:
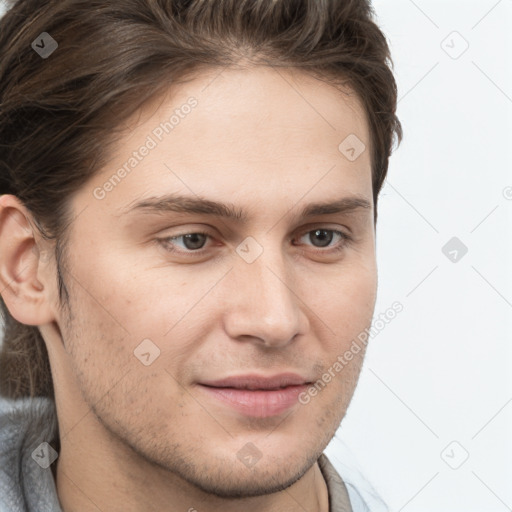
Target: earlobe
x=24 y=294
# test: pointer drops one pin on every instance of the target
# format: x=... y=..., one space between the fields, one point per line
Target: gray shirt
x=29 y=444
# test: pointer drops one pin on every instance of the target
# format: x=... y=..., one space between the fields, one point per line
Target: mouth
x=258 y=382
x=256 y=396
x=249 y=388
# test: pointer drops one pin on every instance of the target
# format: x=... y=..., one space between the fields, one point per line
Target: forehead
x=254 y=134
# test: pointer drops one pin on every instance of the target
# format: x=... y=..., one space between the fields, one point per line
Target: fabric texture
x=339 y=500
x=26 y=485
x=29 y=445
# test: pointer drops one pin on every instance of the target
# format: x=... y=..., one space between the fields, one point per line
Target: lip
x=257 y=403
x=258 y=382
x=257 y=396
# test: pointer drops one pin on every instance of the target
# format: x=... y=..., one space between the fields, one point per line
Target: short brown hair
x=57 y=115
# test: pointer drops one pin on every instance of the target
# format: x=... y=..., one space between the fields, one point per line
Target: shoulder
x=347 y=483
x=26 y=410
x=26 y=480
x=24 y=421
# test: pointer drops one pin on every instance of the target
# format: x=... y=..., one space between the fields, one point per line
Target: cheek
x=98 y=346
x=97 y=336
x=127 y=318
x=152 y=300
x=109 y=375
x=348 y=298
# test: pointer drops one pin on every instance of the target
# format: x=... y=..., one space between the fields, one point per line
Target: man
x=187 y=245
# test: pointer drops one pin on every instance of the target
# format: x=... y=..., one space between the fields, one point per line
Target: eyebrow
x=189 y=204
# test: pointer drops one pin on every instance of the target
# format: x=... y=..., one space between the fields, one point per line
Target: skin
x=147 y=438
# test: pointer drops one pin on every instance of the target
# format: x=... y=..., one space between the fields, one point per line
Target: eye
x=325 y=236
x=193 y=242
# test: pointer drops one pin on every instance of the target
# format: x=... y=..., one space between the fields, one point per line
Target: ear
x=22 y=265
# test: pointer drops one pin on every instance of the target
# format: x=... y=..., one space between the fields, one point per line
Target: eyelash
x=345 y=240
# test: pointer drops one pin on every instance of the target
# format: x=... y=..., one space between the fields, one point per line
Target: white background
x=439 y=372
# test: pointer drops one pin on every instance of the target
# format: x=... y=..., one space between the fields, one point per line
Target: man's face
x=266 y=295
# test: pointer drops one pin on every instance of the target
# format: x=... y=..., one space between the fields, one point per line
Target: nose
x=264 y=303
